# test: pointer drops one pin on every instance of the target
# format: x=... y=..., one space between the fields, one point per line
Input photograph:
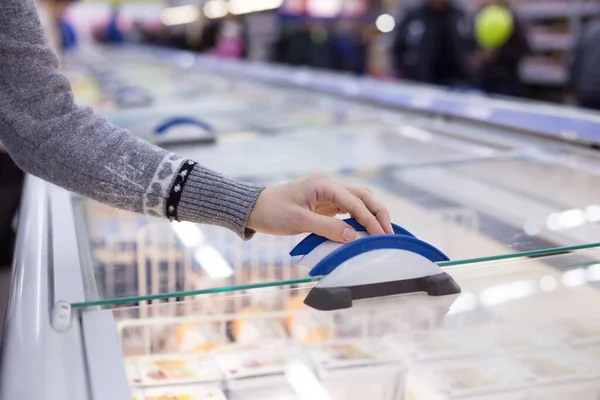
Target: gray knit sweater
x=49 y=136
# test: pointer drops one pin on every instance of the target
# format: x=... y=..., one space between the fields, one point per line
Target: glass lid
x=486 y=209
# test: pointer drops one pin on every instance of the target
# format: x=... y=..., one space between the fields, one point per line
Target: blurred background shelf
x=555 y=9
x=546 y=41
x=542 y=72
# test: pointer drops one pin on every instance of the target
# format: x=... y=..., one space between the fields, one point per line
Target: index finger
x=345 y=200
x=376 y=208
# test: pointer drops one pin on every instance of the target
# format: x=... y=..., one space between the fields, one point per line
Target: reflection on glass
x=469 y=210
x=518 y=203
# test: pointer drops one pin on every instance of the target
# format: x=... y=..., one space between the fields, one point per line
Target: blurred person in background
x=46 y=14
x=584 y=67
x=59 y=30
x=231 y=38
x=497 y=69
x=194 y=31
x=431 y=44
x=60 y=33
x=320 y=45
x=111 y=32
x=301 y=49
x=342 y=47
x=137 y=33
x=209 y=35
x=348 y=47
x=374 y=58
x=364 y=35
x=281 y=45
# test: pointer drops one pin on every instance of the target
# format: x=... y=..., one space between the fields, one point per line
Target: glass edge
x=85 y=255
x=163 y=296
x=531 y=253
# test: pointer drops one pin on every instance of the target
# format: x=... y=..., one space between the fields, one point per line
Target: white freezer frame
x=46 y=351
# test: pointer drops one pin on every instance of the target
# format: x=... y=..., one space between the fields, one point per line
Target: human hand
x=309 y=205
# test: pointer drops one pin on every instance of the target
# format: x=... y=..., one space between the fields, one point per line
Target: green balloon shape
x=493 y=27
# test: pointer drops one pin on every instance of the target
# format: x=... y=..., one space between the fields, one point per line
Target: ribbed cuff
x=211 y=198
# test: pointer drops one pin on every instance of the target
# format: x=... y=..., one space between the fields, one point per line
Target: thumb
x=331 y=228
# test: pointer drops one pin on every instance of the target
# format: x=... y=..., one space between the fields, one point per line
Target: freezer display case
x=522 y=327
x=106 y=304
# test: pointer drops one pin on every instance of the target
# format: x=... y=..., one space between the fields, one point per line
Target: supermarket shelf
x=540 y=74
x=555 y=10
x=550 y=41
x=552 y=27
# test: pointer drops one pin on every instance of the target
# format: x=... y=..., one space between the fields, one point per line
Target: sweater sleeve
x=49 y=136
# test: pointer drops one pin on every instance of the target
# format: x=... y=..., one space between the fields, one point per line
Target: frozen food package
x=381 y=382
x=468 y=378
x=247 y=361
x=576 y=390
x=172 y=369
x=501 y=339
x=577 y=331
x=534 y=371
x=429 y=345
x=132 y=371
x=504 y=339
x=307 y=327
x=349 y=368
x=267 y=392
x=138 y=395
x=555 y=366
x=350 y=352
x=589 y=353
x=202 y=392
x=197 y=337
x=259 y=326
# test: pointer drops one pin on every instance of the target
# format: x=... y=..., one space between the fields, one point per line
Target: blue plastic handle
x=312 y=241
x=378 y=242
x=165 y=126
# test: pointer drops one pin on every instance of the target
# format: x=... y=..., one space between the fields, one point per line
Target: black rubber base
x=327 y=299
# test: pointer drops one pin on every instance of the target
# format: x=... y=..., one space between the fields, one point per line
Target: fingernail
x=391 y=229
x=349 y=234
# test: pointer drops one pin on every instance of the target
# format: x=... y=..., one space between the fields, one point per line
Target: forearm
x=50 y=137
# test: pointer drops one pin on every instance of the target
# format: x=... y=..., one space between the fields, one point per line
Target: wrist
x=254 y=218
x=211 y=198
